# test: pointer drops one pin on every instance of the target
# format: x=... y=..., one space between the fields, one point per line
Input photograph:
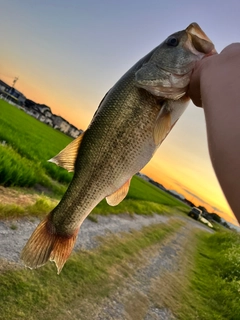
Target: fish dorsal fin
x=162 y=126
x=67 y=157
x=115 y=198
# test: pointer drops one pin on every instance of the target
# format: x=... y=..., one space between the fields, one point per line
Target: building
x=11 y=94
x=3 y=86
x=61 y=124
x=155 y=183
x=41 y=112
x=74 y=132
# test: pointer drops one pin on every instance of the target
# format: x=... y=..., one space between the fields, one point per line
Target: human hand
x=215 y=86
x=213 y=74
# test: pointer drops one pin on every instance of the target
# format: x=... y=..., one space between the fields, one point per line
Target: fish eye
x=172 y=41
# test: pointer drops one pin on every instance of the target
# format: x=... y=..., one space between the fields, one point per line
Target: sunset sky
x=69 y=53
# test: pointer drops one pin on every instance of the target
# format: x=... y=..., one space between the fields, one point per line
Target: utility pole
x=13 y=84
x=14 y=81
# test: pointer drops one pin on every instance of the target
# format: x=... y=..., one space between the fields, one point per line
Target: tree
x=226 y=225
x=203 y=209
x=215 y=217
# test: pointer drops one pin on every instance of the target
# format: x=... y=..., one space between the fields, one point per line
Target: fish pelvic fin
x=44 y=245
x=115 y=198
x=67 y=157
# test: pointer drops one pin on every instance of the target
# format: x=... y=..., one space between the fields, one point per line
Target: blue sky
x=67 y=54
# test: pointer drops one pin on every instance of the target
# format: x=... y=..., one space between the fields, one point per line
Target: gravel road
x=15 y=233
x=136 y=298
x=137 y=292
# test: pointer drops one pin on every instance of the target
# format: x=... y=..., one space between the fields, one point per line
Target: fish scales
x=110 y=154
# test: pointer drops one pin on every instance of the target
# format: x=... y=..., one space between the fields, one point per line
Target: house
x=41 y=112
x=11 y=94
x=60 y=123
x=45 y=110
x=3 y=86
x=45 y=114
x=33 y=112
x=74 y=132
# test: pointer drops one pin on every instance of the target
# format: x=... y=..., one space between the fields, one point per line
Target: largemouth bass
x=129 y=125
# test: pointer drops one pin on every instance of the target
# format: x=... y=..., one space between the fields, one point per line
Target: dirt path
x=15 y=233
x=11 y=196
x=140 y=296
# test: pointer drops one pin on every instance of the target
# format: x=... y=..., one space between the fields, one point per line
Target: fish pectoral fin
x=115 y=198
x=162 y=126
x=67 y=157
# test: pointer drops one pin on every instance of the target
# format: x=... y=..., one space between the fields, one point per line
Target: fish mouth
x=195 y=29
x=198 y=42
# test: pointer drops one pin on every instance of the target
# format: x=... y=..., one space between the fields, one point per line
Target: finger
x=194 y=90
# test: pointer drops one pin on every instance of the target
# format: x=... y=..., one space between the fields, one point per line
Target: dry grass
x=136 y=306
x=11 y=196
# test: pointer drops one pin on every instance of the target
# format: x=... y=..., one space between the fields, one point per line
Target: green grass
x=134 y=206
x=154 y=201
x=40 y=208
x=208 y=285
x=143 y=190
x=29 y=144
x=143 y=198
x=216 y=279
x=42 y=294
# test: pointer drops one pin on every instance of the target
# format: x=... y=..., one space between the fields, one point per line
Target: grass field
x=30 y=143
x=144 y=198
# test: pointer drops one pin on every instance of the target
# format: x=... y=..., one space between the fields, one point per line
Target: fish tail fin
x=45 y=245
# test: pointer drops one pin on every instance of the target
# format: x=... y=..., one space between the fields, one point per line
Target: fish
x=131 y=122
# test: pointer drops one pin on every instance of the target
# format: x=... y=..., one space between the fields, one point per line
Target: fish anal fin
x=67 y=157
x=45 y=245
x=115 y=198
x=162 y=127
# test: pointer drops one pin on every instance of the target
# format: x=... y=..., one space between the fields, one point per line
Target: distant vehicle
x=196 y=214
